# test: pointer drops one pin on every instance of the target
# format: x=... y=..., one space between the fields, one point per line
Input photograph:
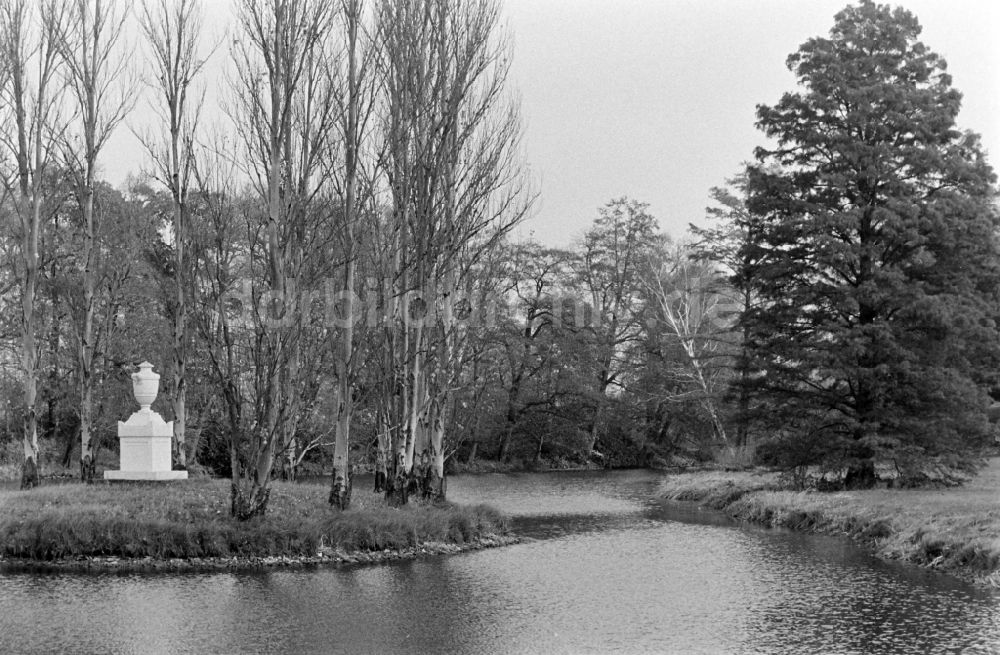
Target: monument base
x=146 y=475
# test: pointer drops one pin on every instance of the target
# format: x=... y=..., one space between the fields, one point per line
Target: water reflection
x=609 y=569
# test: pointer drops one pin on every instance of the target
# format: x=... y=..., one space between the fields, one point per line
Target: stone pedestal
x=144 y=439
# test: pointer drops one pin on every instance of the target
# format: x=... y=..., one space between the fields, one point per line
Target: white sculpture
x=144 y=439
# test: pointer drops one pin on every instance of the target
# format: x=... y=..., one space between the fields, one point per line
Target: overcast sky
x=654 y=99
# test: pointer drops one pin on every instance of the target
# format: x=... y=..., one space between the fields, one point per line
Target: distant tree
x=125 y=295
x=729 y=243
x=533 y=280
x=616 y=252
x=687 y=297
x=878 y=248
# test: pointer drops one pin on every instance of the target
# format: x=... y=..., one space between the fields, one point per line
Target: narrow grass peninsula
x=955 y=529
x=182 y=525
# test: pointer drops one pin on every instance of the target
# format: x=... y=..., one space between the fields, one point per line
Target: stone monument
x=144 y=439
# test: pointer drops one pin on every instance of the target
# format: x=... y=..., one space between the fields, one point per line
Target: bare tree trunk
x=89 y=49
x=29 y=470
x=450 y=146
x=513 y=409
x=221 y=337
x=341 y=483
x=684 y=305
x=85 y=348
x=285 y=108
x=596 y=421
x=436 y=485
x=397 y=398
x=382 y=453
x=55 y=376
x=414 y=434
x=179 y=332
x=32 y=146
x=709 y=402
x=743 y=403
x=173 y=34
x=397 y=487
x=248 y=497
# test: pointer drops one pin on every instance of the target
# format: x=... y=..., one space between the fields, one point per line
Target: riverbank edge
x=325 y=557
x=10 y=473
x=774 y=506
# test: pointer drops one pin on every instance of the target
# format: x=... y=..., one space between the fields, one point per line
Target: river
x=606 y=567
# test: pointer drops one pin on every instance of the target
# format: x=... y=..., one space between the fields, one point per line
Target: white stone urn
x=144 y=439
x=145 y=386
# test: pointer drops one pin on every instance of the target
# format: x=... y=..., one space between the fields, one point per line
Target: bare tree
x=94 y=57
x=689 y=300
x=356 y=104
x=173 y=33
x=284 y=113
x=453 y=169
x=29 y=59
x=532 y=277
x=615 y=250
x=219 y=259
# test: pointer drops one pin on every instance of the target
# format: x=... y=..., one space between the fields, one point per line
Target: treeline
x=365 y=140
x=331 y=282
x=333 y=276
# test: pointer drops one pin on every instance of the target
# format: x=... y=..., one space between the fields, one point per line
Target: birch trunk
x=435 y=484
x=341 y=483
x=382 y=453
x=32 y=147
x=29 y=353
x=179 y=335
x=397 y=353
x=85 y=348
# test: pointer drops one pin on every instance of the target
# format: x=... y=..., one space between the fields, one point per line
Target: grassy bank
x=191 y=521
x=955 y=529
x=516 y=465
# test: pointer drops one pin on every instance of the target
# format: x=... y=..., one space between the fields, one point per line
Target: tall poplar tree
x=284 y=113
x=29 y=63
x=95 y=65
x=878 y=249
x=173 y=32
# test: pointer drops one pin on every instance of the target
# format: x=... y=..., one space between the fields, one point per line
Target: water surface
x=606 y=568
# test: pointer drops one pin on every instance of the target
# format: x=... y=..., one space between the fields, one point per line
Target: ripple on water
x=610 y=571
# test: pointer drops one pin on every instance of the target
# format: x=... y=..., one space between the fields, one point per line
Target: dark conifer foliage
x=878 y=252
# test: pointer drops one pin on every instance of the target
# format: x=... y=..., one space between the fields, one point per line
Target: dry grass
x=715 y=488
x=736 y=458
x=955 y=528
x=191 y=519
